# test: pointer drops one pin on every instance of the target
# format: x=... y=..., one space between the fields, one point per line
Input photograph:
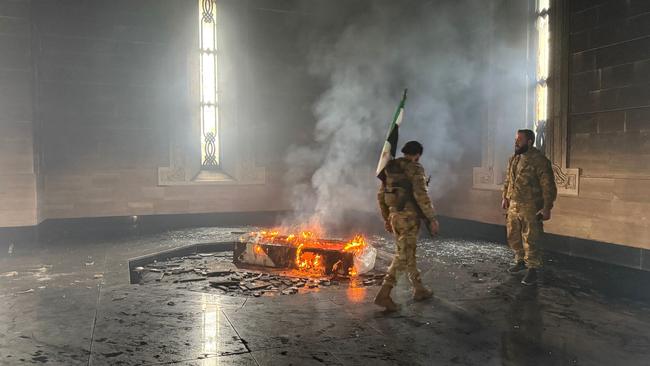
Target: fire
x=356 y=244
x=308 y=239
x=307 y=260
x=298 y=255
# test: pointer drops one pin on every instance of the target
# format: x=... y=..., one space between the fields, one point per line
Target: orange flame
x=298 y=252
x=305 y=239
x=356 y=244
x=309 y=261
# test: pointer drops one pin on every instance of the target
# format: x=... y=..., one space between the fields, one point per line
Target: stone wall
x=95 y=94
x=113 y=88
x=18 y=184
x=609 y=86
x=608 y=128
x=609 y=122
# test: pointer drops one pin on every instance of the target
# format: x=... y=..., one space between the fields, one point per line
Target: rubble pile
x=216 y=272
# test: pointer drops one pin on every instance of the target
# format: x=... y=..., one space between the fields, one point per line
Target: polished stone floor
x=70 y=303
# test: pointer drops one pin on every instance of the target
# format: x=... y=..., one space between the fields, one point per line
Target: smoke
x=436 y=50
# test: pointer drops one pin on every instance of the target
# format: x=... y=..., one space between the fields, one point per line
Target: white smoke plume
x=433 y=48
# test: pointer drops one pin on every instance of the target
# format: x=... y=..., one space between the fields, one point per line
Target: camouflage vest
x=398 y=192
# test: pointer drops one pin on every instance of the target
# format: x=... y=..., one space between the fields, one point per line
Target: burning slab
x=286 y=265
x=305 y=253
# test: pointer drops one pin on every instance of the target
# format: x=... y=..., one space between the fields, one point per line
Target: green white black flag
x=390 y=145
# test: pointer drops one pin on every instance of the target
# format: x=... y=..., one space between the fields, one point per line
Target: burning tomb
x=306 y=253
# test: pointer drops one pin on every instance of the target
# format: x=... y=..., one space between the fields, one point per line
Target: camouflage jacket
x=405 y=189
x=529 y=181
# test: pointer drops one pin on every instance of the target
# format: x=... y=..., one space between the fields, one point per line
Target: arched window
x=542 y=72
x=209 y=90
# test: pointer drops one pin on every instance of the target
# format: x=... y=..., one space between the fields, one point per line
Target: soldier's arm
x=547 y=183
x=382 y=203
x=415 y=173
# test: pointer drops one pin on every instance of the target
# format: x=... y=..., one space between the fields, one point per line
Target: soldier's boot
x=384 y=300
x=530 y=278
x=518 y=267
x=421 y=292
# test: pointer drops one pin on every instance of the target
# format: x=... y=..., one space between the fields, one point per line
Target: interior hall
x=325 y=182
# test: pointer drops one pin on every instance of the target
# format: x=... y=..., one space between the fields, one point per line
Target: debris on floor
x=215 y=272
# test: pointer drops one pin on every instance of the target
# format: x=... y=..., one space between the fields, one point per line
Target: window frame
x=209 y=107
x=542 y=71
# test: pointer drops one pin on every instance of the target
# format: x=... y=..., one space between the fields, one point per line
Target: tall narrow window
x=209 y=102
x=541 y=87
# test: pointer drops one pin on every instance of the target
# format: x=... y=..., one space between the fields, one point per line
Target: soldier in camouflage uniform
x=403 y=200
x=528 y=194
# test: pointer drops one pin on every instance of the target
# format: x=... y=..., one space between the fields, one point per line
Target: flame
x=309 y=261
x=355 y=245
x=304 y=239
x=309 y=239
x=298 y=252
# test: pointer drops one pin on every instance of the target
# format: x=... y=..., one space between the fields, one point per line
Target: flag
x=390 y=145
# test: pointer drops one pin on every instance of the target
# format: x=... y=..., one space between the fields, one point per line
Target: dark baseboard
x=110 y=227
x=469 y=229
x=17 y=235
x=621 y=255
x=53 y=230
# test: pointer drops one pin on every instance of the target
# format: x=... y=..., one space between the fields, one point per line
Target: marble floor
x=70 y=303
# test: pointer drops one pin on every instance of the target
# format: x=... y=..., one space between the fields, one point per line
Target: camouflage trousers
x=524 y=231
x=406 y=226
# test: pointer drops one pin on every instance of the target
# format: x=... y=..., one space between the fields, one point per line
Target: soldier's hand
x=505 y=204
x=434 y=227
x=545 y=214
x=388 y=227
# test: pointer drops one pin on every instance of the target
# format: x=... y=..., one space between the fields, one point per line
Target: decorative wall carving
x=486 y=178
x=180 y=173
x=567 y=180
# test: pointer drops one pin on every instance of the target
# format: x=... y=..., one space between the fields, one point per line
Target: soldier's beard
x=521 y=150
